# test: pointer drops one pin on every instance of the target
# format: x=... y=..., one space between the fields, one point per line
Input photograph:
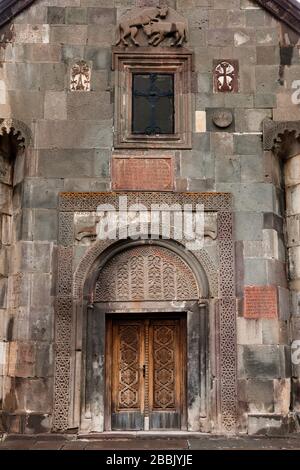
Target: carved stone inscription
x=260 y=302
x=143 y=173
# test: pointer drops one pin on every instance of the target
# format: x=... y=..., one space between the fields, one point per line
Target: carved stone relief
x=225 y=76
x=80 y=76
x=86 y=224
x=70 y=288
x=147 y=273
x=151 y=27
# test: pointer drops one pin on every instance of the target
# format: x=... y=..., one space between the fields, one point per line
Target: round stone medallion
x=222 y=118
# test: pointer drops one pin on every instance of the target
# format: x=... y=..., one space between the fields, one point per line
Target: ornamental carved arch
x=144 y=273
x=103 y=257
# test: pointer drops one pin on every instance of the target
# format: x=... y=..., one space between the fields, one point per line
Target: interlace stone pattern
x=88 y=202
x=129 y=367
x=164 y=348
x=147 y=273
x=260 y=302
x=143 y=173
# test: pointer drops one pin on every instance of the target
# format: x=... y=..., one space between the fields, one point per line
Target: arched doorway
x=76 y=405
x=146 y=365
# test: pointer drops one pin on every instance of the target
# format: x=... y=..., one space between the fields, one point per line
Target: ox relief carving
x=152 y=26
x=86 y=226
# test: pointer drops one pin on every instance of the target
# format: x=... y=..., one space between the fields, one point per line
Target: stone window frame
x=125 y=64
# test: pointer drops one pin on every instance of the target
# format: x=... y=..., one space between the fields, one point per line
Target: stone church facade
x=172 y=104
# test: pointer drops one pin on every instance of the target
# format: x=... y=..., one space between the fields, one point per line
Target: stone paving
x=143 y=443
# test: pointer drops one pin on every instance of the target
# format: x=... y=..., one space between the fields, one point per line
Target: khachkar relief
x=71 y=280
x=80 y=76
x=152 y=27
x=225 y=76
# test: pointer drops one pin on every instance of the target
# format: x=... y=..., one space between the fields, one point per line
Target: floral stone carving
x=151 y=27
x=80 y=79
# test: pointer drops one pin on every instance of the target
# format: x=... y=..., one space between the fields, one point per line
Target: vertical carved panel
x=129 y=358
x=164 y=366
x=228 y=355
x=146 y=273
x=175 y=275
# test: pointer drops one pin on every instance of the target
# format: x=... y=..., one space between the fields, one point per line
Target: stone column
x=292 y=185
x=5 y=242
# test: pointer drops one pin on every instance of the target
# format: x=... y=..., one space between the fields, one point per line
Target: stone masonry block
x=263 y=362
x=55 y=107
x=76 y=15
x=248 y=226
x=249 y=331
x=102 y=16
x=42 y=193
x=83 y=105
x=260 y=395
x=44 y=224
x=56 y=15
x=74 y=134
x=248 y=144
x=73 y=163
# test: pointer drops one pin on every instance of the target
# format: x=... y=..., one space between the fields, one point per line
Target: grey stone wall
x=72 y=148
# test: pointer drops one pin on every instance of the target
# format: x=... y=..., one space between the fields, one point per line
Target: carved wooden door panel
x=165 y=374
x=147 y=374
x=127 y=375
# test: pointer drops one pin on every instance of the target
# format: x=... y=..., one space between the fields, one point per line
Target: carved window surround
x=147 y=60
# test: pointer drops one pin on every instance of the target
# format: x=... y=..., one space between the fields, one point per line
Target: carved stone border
x=64 y=327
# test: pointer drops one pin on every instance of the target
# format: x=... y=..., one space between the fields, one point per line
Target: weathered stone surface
x=143 y=173
x=71 y=150
x=260 y=361
x=72 y=134
x=249 y=331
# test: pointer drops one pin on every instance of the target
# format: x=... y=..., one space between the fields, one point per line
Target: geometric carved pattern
x=164 y=344
x=227 y=321
x=88 y=202
x=129 y=366
x=146 y=273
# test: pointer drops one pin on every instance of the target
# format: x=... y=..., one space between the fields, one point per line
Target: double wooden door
x=146 y=373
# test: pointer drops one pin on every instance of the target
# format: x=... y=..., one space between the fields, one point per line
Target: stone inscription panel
x=143 y=173
x=260 y=302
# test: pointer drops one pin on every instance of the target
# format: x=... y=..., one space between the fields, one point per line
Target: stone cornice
x=11 y=8
x=287 y=11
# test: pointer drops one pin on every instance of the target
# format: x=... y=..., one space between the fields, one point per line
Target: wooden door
x=146 y=373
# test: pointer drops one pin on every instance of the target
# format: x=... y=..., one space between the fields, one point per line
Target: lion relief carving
x=152 y=26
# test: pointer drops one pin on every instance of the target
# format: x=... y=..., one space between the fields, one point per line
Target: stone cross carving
x=150 y=23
